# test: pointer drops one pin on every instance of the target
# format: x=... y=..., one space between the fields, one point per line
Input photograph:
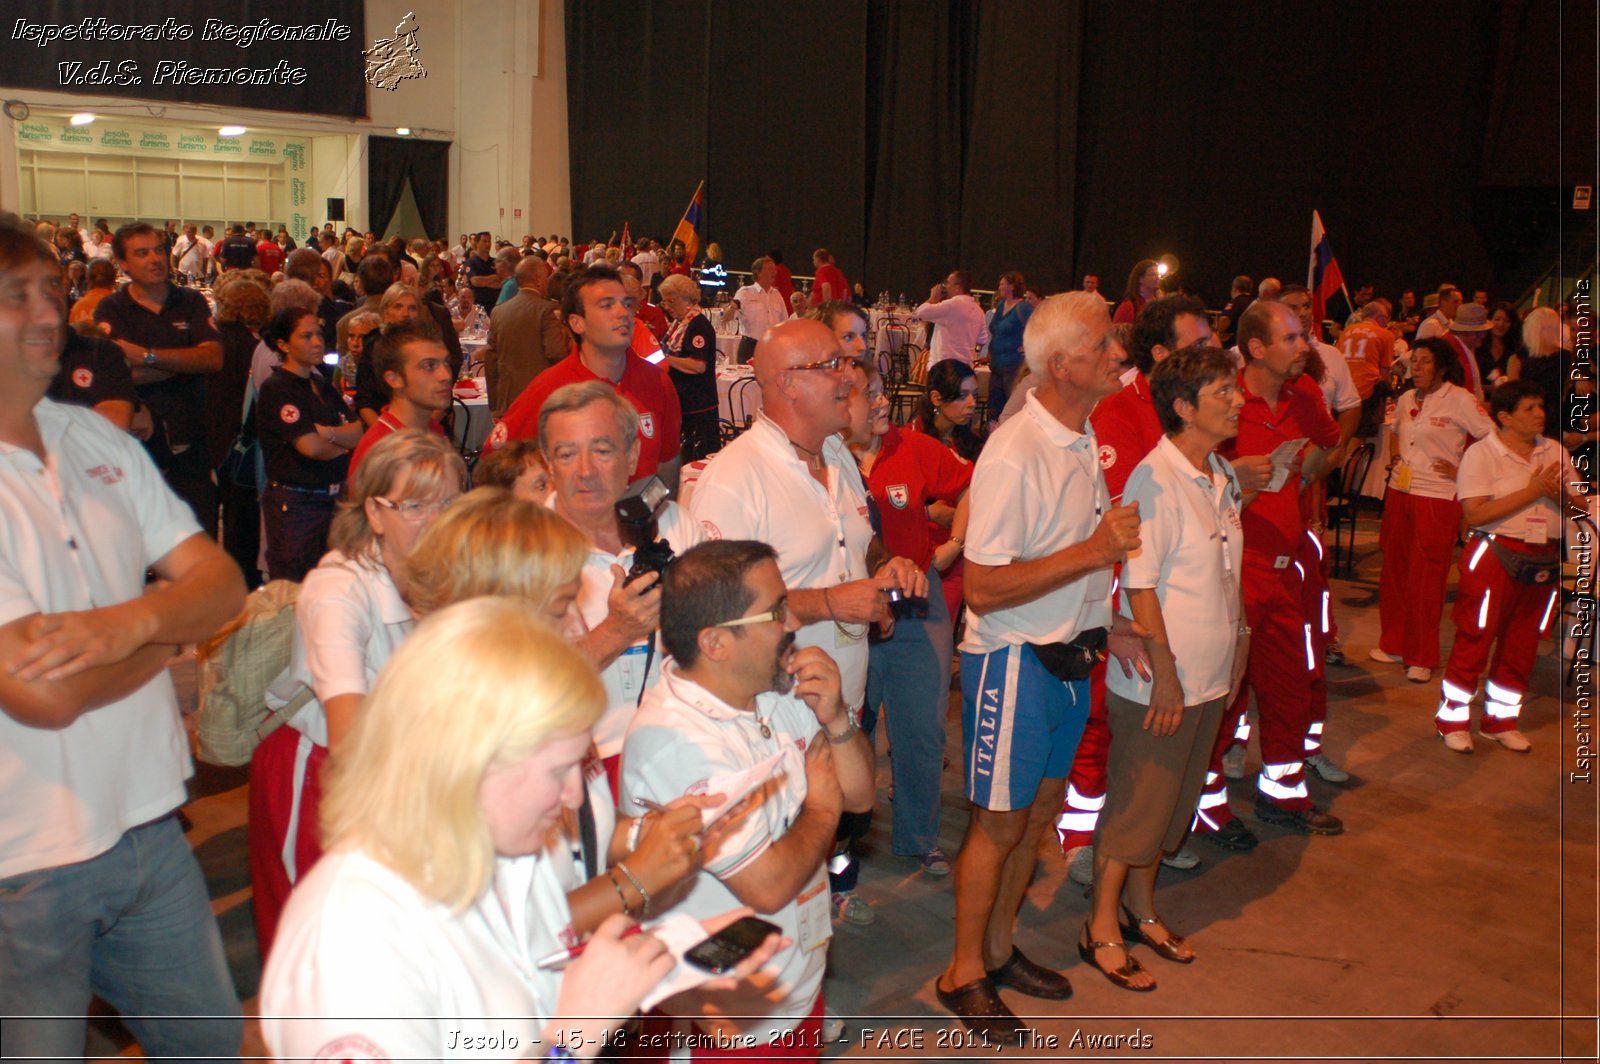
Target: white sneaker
x=1233 y=763
x=1377 y=654
x=1459 y=741
x=1080 y=865
x=832 y=1025
x=1418 y=673
x=1511 y=740
x=1184 y=859
x=1324 y=766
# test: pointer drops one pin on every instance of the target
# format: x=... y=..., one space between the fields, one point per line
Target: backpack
x=236 y=666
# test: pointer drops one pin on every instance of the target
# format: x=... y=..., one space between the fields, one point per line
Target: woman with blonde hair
x=1545 y=340
x=492 y=543
x=350 y=617
x=420 y=934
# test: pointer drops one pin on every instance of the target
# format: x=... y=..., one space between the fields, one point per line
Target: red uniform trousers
x=284 y=836
x=1492 y=608
x=1086 y=783
x=1316 y=601
x=1418 y=540
x=1282 y=664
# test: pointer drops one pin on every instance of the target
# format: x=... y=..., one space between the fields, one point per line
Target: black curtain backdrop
x=392 y=162
x=334 y=82
x=915 y=136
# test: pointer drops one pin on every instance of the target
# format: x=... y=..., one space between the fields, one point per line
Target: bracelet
x=1245 y=629
x=644 y=908
x=843 y=632
x=845 y=736
x=957 y=540
x=627 y=910
x=828 y=604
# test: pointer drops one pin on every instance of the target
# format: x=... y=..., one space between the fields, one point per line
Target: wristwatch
x=150 y=356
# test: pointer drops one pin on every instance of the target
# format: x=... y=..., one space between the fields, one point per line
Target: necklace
x=815 y=457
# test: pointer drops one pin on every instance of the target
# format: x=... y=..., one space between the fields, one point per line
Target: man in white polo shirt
x=589 y=435
x=99 y=892
x=791 y=482
x=1040 y=547
x=759 y=306
x=960 y=326
x=736 y=693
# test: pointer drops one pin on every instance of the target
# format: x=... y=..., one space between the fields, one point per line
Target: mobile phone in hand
x=722 y=952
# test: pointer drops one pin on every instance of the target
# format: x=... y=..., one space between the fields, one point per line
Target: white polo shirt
x=625 y=677
x=1490 y=470
x=961 y=329
x=366 y=968
x=1338 y=387
x=759 y=489
x=684 y=736
x=1191 y=547
x=349 y=621
x=1436 y=427
x=77 y=532
x=760 y=309
x=1037 y=488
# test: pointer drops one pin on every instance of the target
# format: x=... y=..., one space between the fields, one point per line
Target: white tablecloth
x=891 y=340
x=737 y=400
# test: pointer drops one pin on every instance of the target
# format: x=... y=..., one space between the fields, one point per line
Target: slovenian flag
x=688 y=230
x=1323 y=278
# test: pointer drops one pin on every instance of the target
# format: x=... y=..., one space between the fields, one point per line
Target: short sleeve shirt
x=684 y=736
x=289 y=407
x=1492 y=470
x=183 y=321
x=1338 y=387
x=759 y=489
x=236 y=252
x=1272 y=522
x=1368 y=350
x=911 y=471
x=1191 y=549
x=92 y=371
x=1036 y=489
x=697 y=391
x=78 y=532
x=1435 y=428
x=484 y=296
x=1126 y=429
x=644 y=385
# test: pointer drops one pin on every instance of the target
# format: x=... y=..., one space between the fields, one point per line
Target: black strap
x=588 y=836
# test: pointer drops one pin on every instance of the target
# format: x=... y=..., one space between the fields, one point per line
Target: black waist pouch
x=1074 y=660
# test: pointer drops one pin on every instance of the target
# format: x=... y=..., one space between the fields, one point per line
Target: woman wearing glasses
x=350 y=617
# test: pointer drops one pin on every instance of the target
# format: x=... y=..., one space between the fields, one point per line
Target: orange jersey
x=1368 y=349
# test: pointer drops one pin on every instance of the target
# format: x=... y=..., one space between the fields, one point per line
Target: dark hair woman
x=1144 y=284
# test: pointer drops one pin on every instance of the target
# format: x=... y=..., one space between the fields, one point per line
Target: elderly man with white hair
x=1040 y=548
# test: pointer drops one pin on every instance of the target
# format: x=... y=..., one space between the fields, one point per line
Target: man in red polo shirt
x=599 y=313
x=1281 y=406
x=416 y=369
x=1126 y=429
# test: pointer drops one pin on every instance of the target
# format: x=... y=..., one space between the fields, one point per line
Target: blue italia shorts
x=1020 y=725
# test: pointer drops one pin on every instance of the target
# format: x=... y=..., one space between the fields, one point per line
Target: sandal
x=1134 y=928
x=1123 y=976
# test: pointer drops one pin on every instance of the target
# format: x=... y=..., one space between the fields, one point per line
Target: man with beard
x=737 y=694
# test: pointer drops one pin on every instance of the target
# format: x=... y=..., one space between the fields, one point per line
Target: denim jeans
x=133 y=925
x=909 y=675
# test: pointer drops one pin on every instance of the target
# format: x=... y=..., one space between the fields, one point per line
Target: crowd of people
x=621 y=671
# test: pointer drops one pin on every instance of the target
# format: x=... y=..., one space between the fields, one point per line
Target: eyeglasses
x=836 y=364
x=779 y=613
x=414 y=509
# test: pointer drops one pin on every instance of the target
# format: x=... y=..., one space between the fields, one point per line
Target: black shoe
x=1026 y=977
x=1333 y=653
x=1232 y=836
x=978 y=1006
x=1311 y=821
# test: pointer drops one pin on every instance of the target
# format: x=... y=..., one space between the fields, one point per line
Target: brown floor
x=1455 y=918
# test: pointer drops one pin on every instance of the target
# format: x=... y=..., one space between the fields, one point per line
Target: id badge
x=630 y=670
x=1402 y=477
x=814 y=920
x=1536 y=530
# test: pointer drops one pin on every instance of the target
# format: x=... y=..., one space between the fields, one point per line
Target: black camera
x=639 y=515
x=903 y=605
